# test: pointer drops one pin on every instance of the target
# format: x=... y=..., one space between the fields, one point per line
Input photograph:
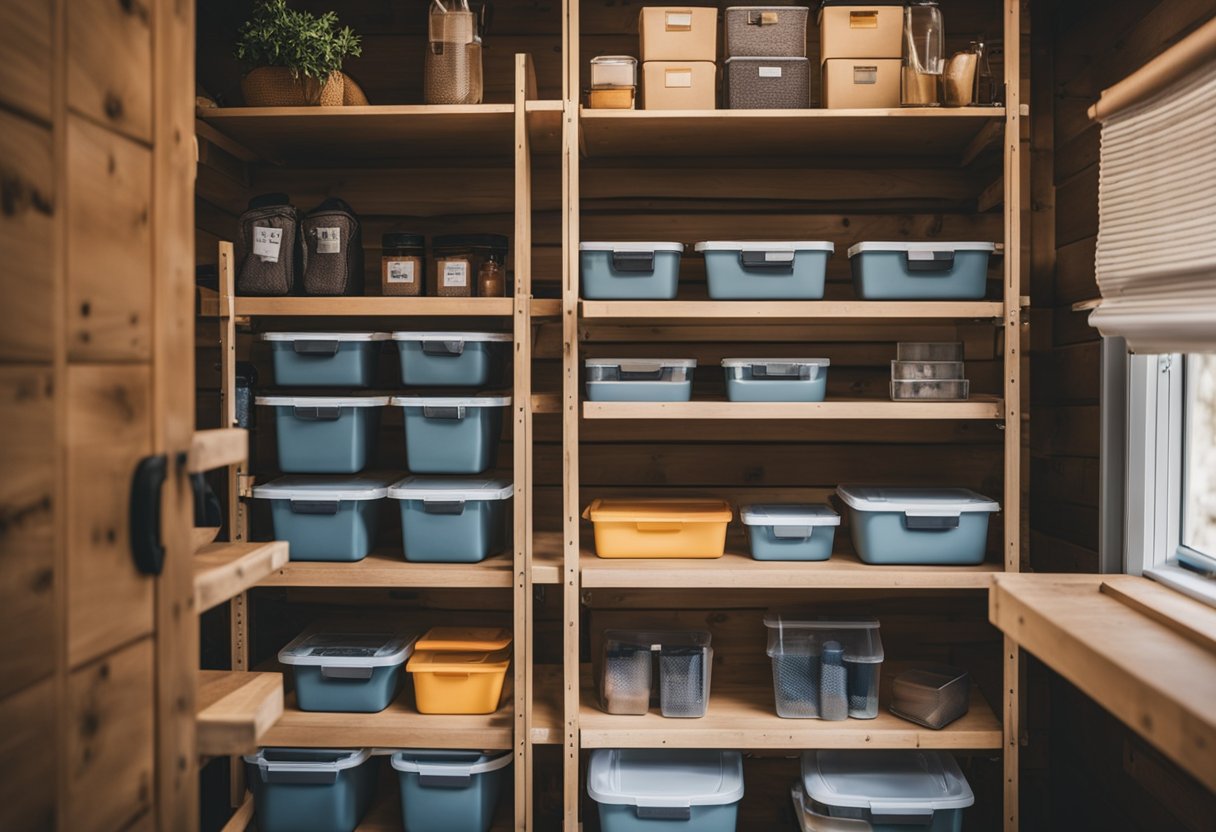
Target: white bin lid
x=322 y=487
x=322 y=401
x=295 y=759
x=492 y=400
x=449 y=763
x=765 y=245
x=446 y=488
x=665 y=778
x=899 y=782
x=321 y=649
x=751 y=362
x=923 y=248
x=918 y=502
x=451 y=336
x=789 y=515
x=324 y=336
x=677 y=247
x=642 y=364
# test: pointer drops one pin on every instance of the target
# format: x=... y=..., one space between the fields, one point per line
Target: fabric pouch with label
x=267 y=248
x=333 y=245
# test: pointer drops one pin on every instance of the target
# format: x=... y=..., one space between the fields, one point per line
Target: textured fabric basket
x=766 y=31
x=275 y=86
x=267 y=251
x=768 y=83
x=333 y=250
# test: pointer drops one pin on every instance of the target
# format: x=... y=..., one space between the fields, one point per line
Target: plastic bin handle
x=443 y=506
x=659 y=526
x=454 y=414
x=320 y=349
x=785 y=371
x=769 y=261
x=639 y=262
x=442 y=777
x=328 y=672
x=793 y=532
x=314 y=506
x=453 y=348
x=929 y=261
x=930 y=522
x=655 y=810
x=906 y=813
x=290 y=775
x=317 y=414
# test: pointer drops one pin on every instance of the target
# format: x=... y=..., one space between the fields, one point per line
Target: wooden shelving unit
x=977 y=407
x=390 y=569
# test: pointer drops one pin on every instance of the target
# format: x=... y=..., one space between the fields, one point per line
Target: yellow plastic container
x=458 y=682
x=465 y=639
x=659 y=528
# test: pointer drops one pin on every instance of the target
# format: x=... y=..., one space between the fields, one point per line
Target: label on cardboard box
x=678 y=21
x=677 y=78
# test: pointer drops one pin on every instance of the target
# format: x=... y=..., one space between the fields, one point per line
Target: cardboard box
x=680 y=85
x=861 y=83
x=678 y=33
x=861 y=31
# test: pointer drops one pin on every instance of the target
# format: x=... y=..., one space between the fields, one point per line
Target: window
x=1199 y=460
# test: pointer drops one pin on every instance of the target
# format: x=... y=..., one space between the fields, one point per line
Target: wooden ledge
x=222 y=570
x=235 y=709
x=1154 y=676
x=218 y=448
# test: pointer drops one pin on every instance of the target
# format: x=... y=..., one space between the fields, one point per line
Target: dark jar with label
x=402 y=264
x=459 y=260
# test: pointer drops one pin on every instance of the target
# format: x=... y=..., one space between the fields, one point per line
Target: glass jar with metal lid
x=402 y=263
x=459 y=259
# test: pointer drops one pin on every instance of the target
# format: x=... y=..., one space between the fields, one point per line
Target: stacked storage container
x=929 y=372
x=460 y=670
x=861 y=47
x=766 y=63
x=665 y=790
x=679 y=47
x=456 y=791
x=347 y=672
x=311 y=789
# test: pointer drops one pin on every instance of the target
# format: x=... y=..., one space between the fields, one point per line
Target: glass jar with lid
x=614 y=81
x=402 y=264
x=459 y=259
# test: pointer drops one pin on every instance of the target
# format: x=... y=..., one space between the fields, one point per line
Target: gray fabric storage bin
x=790 y=532
x=452 y=520
x=325 y=359
x=326 y=518
x=344 y=672
x=666 y=790
x=268 y=253
x=776 y=379
x=453 y=791
x=452 y=434
x=630 y=271
x=768 y=83
x=451 y=359
x=766 y=31
x=333 y=246
x=325 y=434
x=931 y=526
x=920 y=271
x=311 y=789
x=639 y=379
x=793 y=270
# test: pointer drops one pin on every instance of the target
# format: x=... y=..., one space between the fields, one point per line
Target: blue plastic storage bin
x=920 y=271
x=325 y=517
x=766 y=270
x=325 y=359
x=932 y=526
x=449 y=791
x=325 y=434
x=663 y=790
x=790 y=532
x=310 y=789
x=451 y=359
x=776 y=379
x=640 y=379
x=346 y=672
x=452 y=434
x=630 y=271
x=452 y=520
x=891 y=791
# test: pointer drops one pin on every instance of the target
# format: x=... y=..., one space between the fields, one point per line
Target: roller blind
x=1156 y=249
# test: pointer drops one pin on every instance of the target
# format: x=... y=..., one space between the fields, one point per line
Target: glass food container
x=924 y=53
x=459 y=261
x=452 y=73
x=402 y=264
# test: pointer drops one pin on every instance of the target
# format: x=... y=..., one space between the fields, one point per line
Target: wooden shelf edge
x=218 y=448
x=372 y=306
x=223 y=570
x=390 y=569
x=790 y=310
x=236 y=709
x=977 y=408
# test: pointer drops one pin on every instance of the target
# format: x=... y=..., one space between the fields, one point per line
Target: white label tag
x=865 y=75
x=677 y=21
x=455 y=273
x=329 y=241
x=677 y=78
x=770 y=72
x=266 y=243
x=401 y=271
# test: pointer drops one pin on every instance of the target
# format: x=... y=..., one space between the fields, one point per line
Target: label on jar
x=455 y=273
x=266 y=243
x=400 y=271
x=329 y=241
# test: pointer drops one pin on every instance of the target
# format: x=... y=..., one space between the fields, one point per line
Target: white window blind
x=1156 y=249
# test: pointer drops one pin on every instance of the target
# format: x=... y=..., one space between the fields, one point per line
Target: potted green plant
x=294 y=58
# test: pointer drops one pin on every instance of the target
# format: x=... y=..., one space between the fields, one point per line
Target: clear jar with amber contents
x=402 y=264
x=468 y=265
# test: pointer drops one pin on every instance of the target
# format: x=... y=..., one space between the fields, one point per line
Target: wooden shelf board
x=743 y=716
x=739 y=570
x=545 y=307
x=372 y=305
x=790 y=310
x=235 y=709
x=222 y=570
x=388 y=568
x=547 y=722
x=922 y=133
x=397 y=726
x=546 y=557
x=217 y=448
x=978 y=407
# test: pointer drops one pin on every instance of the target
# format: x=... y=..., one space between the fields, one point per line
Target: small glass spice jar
x=492 y=277
x=459 y=259
x=402 y=263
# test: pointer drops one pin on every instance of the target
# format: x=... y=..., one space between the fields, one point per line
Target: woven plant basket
x=274 y=86
x=352 y=93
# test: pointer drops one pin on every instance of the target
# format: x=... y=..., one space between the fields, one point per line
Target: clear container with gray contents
x=682 y=661
x=951 y=390
x=824 y=668
x=929 y=351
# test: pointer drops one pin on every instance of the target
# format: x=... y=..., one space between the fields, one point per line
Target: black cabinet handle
x=146 y=548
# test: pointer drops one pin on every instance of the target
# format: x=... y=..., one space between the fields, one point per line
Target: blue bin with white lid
x=325 y=434
x=776 y=379
x=639 y=379
x=451 y=359
x=452 y=434
x=325 y=359
x=452 y=520
x=766 y=270
x=449 y=791
x=630 y=271
x=928 y=526
x=311 y=789
x=326 y=518
x=882 y=791
x=920 y=271
x=661 y=790
x=790 y=532
x=347 y=672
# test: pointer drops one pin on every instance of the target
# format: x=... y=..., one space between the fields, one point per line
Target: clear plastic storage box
x=929 y=351
x=451 y=359
x=776 y=379
x=325 y=434
x=347 y=672
x=824 y=668
x=640 y=379
x=445 y=520
x=311 y=789
x=931 y=526
x=325 y=359
x=326 y=518
x=663 y=790
x=684 y=661
x=790 y=532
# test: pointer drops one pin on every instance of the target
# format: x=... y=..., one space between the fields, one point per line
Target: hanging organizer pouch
x=447 y=520
x=333 y=245
x=311 y=789
x=780 y=270
x=452 y=434
x=790 y=532
x=931 y=526
x=663 y=790
x=268 y=252
x=776 y=379
x=659 y=528
x=640 y=379
x=920 y=271
x=326 y=518
x=325 y=434
x=451 y=359
x=456 y=791
x=630 y=271
x=343 y=672
x=325 y=359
